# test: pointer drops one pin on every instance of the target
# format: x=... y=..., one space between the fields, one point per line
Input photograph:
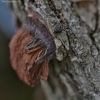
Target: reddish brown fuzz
x=31 y=49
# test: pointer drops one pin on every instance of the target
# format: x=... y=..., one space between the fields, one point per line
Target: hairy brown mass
x=23 y=61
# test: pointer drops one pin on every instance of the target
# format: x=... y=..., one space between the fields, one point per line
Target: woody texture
x=75 y=26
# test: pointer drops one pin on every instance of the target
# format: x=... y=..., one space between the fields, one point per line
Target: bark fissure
x=96 y=17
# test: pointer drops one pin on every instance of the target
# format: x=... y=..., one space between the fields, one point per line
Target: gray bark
x=75 y=73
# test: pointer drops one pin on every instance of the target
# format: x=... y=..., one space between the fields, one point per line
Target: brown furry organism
x=31 y=49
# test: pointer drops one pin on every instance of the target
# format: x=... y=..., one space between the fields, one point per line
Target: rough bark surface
x=75 y=75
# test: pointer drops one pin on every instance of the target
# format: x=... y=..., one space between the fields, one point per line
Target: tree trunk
x=74 y=74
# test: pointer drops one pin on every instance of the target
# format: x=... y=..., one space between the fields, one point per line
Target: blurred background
x=11 y=88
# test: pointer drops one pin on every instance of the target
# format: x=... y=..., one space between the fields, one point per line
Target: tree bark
x=74 y=74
